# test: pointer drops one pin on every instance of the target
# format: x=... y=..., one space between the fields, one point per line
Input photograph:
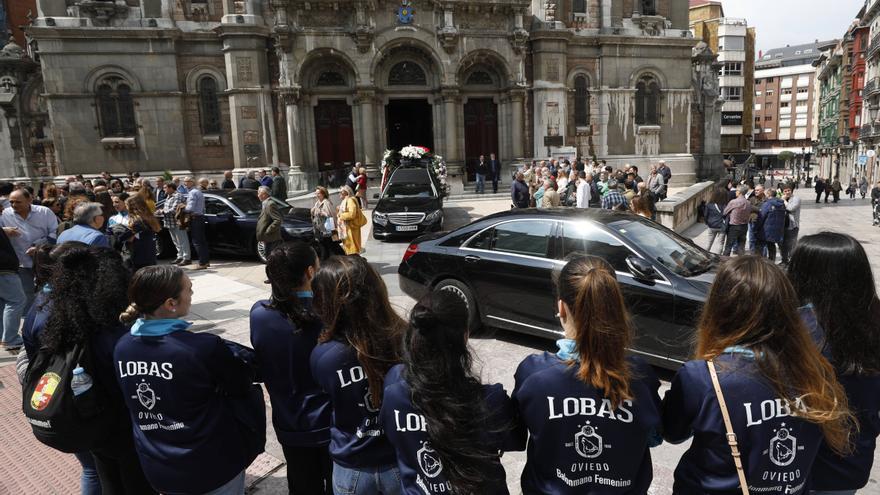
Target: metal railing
x=871 y=88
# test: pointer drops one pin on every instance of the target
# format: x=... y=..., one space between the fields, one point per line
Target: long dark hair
x=719 y=196
x=286 y=268
x=87 y=296
x=752 y=304
x=831 y=271
x=352 y=300
x=446 y=391
x=150 y=287
x=588 y=287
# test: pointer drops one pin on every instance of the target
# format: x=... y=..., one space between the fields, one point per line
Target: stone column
x=517 y=125
x=452 y=154
x=366 y=99
x=244 y=48
x=297 y=180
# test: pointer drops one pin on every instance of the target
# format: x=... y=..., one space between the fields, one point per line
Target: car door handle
x=471 y=258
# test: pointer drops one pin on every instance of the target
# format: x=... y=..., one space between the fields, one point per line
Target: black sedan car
x=232 y=224
x=411 y=204
x=502 y=266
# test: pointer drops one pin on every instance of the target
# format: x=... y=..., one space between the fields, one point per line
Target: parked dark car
x=411 y=204
x=502 y=266
x=232 y=225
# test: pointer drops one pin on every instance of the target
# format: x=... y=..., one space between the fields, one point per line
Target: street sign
x=553 y=140
x=863 y=159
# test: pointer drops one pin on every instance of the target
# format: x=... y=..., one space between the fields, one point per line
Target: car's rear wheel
x=262 y=251
x=463 y=292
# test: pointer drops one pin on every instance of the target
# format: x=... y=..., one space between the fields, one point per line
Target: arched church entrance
x=481 y=82
x=409 y=82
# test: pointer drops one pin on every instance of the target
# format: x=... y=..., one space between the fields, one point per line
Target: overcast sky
x=791 y=22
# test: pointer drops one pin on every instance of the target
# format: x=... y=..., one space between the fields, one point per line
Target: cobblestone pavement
x=224 y=295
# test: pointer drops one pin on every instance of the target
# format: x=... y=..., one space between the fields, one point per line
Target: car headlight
x=380 y=219
x=433 y=217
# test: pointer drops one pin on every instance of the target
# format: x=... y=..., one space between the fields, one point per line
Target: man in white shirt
x=28 y=226
x=582 y=193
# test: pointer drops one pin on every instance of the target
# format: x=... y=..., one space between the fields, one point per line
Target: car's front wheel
x=463 y=292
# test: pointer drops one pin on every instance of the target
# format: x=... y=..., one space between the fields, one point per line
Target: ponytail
x=589 y=288
x=130 y=314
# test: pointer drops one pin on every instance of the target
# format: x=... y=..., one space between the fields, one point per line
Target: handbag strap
x=728 y=426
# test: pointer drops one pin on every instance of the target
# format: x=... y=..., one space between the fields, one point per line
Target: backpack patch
x=44 y=391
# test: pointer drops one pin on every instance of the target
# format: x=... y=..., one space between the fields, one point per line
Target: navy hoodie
x=300 y=409
x=356 y=438
x=831 y=471
x=180 y=388
x=578 y=444
x=777 y=448
x=421 y=471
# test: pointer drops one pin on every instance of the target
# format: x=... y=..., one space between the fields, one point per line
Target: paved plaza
x=223 y=297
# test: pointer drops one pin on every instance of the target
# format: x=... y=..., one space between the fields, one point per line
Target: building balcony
x=872 y=88
x=732 y=56
x=869 y=131
x=731 y=81
x=873 y=47
x=785 y=97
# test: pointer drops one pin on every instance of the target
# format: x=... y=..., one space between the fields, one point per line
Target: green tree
x=786 y=157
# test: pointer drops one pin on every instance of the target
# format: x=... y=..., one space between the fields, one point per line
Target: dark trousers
x=818 y=196
x=789 y=242
x=760 y=246
x=495 y=182
x=197 y=232
x=309 y=470
x=736 y=234
x=119 y=468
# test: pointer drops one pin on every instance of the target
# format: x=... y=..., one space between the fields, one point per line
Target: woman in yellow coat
x=351 y=219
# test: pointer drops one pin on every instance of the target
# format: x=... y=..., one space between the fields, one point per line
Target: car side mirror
x=641 y=268
x=376 y=196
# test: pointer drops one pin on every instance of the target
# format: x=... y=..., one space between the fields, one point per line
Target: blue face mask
x=567 y=350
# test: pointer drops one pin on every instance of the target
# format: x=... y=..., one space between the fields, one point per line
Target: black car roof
x=595 y=214
x=413 y=174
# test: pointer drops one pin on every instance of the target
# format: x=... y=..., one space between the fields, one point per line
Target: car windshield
x=666 y=247
x=399 y=190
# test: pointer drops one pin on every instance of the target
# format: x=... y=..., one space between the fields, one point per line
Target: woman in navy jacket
x=359 y=344
x=82 y=306
x=832 y=277
x=284 y=331
x=591 y=411
x=447 y=428
x=197 y=422
x=781 y=394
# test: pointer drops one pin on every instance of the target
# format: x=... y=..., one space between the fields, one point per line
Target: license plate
x=407 y=228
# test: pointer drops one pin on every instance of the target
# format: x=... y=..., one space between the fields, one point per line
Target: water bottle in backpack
x=81 y=381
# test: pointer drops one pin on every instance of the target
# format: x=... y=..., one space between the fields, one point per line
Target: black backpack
x=58 y=418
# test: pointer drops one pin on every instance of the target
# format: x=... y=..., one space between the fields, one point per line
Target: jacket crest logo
x=145 y=395
x=428 y=461
x=587 y=442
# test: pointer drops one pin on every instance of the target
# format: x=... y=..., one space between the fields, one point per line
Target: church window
x=647 y=101
x=115 y=108
x=581 y=102
x=209 y=105
x=407 y=74
x=330 y=78
x=479 y=78
x=579 y=6
x=649 y=7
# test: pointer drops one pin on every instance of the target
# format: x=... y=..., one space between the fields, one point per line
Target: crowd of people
x=106 y=212
x=781 y=394
x=554 y=183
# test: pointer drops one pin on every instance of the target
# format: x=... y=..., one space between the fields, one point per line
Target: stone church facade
x=205 y=85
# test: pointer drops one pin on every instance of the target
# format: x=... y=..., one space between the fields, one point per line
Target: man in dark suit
x=495 y=170
x=269 y=223
x=159 y=193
